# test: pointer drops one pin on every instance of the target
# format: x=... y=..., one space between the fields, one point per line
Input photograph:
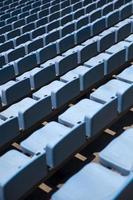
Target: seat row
x=20 y=115
x=23 y=64
x=10 y=7
x=14 y=38
x=31 y=8
x=45 y=38
x=24 y=24
x=21 y=51
x=19 y=39
x=113 y=97
x=24 y=6
x=110 y=179
x=33 y=13
x=56 y=141
x=80 y=77
x=30 y=11
x=43 y=2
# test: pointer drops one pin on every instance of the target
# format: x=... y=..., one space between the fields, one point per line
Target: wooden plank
x=16 y=145
x=45 y=188
x=80 y=157
x=110 y=132
x=96 y=159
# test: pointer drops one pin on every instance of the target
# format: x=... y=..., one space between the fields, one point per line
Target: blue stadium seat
x=65 y=19
x=118 y=153
x=123 y=29
x=112 y=18
x=93 y=182
x=92 y=113
x=36 y=4
x=21 y=39
x=64 y=4
x=97 y=62
x=38 y=31
x=14 y=90
x=6 y=46
x=18 y=23
x=115 y=89
x=12 y=34
x=115 y=57
x=2 y=39
x=26 y=8
x=51 y=36
x=26 y=63
x=126 y=11
x=79 y=13
x=2 y=23
x=17 y=11
x=98 y=26
x=126 y=75
x=40 y=76
x=19 y=169
x=52 y=25
x=129 y=38
x=66 y=10
x=107 y=39
x=23 y=14
x=59 y=91
x=77 y=5
x=5 y=28
x=95 y=14
x=6 y=73
x=11 y=19
x=54 y=15
x=88 y=75
x=90 y=7
x=2 y=60
x=64 y=63
x=33 y=45
x=65 y=43
x=42 y=21
x=57 y=140
x=43 y=13
x=88 y=49
x=31 y=18
x=27 y=27
x=129 y=49
x=46 y=53
x=54 y=8
x=9 y=129
x=14 y=54
x=29 y=111
x=107 y=8
x=5 y=16
x=100 y=3
x=82 y=21
x=82 y=34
